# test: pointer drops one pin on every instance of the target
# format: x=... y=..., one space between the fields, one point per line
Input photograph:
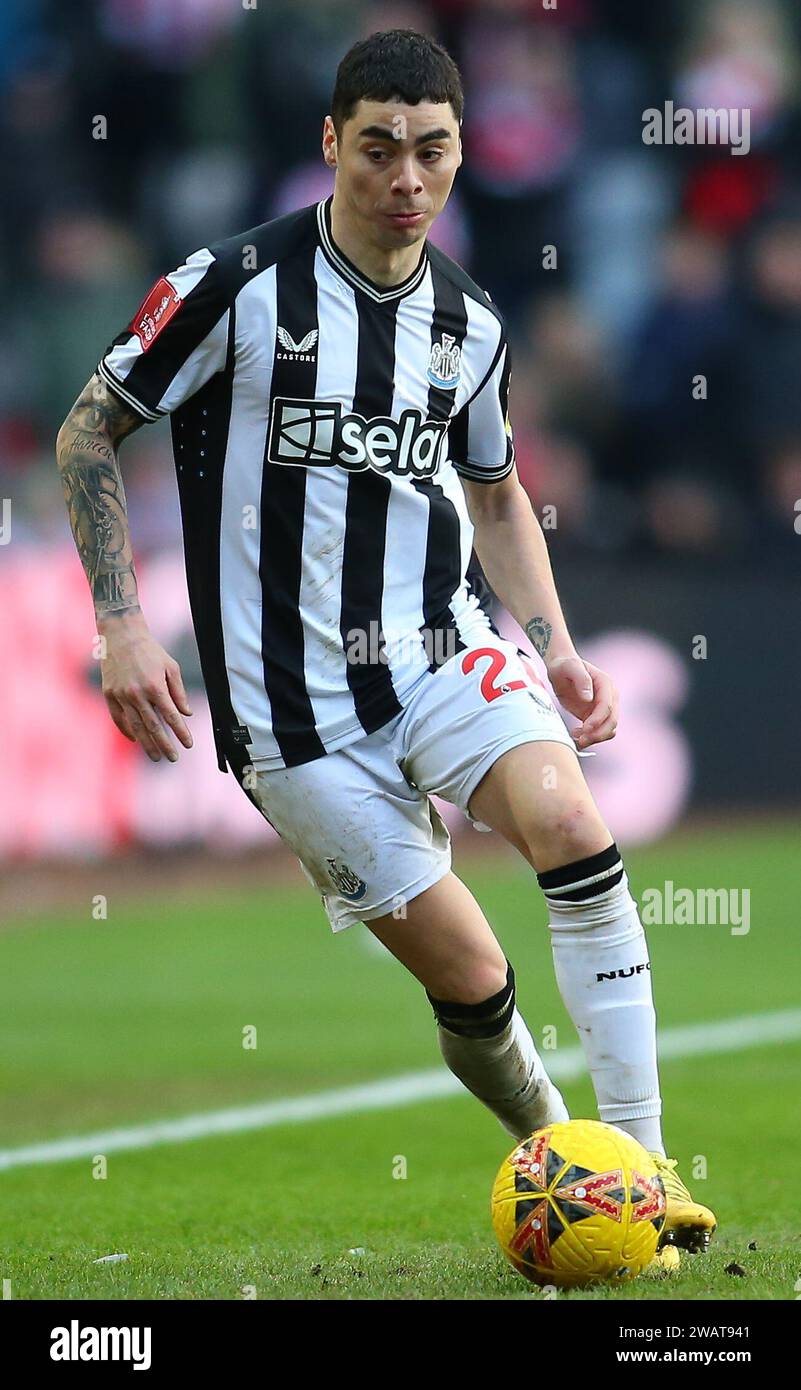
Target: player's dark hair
x=395 y=64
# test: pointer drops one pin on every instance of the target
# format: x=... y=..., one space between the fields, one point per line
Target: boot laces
x=674 y=1187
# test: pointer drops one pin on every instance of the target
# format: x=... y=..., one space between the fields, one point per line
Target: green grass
x=120 y=1021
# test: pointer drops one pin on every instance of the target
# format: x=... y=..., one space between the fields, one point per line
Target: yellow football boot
x=688 y=1224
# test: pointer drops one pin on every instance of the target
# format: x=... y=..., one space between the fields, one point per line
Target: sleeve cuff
x=124 y=394
x=476 y=474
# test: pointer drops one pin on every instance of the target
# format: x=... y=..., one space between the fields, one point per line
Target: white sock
x=604 y=976
x=490 y=1049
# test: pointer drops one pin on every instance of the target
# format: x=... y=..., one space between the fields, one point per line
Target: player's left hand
x=589 y=694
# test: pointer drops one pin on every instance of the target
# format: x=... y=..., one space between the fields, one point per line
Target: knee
x=470 y=982
x=575 y=827
x=573 y=830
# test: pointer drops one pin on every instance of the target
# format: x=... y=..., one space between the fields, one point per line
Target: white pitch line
x=727 y=1035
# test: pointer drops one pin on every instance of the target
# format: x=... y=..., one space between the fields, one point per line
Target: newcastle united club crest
x=444 y=363
x=348 y=883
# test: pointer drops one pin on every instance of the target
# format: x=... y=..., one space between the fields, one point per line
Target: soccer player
x=337 y=389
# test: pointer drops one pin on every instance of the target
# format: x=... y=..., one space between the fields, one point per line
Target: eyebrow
x=377 y=132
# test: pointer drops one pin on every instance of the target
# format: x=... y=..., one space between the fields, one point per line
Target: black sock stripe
x=589 y=891
x=482 y=1020
x=556 y=882
x=478 y=1028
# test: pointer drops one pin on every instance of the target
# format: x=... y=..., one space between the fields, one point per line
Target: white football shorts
x=360 y=819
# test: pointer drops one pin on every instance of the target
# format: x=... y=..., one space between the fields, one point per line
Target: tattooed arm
x=95 y=496
x=514 y=556
x=141 y=682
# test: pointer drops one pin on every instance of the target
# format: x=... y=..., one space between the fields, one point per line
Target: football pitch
x=319 y=1177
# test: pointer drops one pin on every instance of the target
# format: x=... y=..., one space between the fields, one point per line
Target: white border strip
x=411 y=1088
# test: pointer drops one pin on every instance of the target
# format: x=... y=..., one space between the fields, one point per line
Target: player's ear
x=329 y=143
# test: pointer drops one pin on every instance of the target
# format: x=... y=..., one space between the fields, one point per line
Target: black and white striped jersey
x=320 y=424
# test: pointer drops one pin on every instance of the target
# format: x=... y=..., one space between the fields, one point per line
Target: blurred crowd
x=653 y=292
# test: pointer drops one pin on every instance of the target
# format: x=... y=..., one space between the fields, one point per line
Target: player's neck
x=383 y=265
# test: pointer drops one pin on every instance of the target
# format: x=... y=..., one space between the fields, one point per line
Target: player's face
x=395 y=167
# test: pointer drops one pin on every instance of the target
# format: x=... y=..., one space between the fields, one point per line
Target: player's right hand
x=143 y=688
